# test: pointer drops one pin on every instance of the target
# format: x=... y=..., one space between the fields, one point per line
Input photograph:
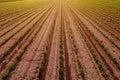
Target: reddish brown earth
x=58 y=41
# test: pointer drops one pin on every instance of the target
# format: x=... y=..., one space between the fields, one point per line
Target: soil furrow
x=18 y=28
x=112 y=50
x=31 y=63
x=17 y=36
x=67 y=70
x=104 y=28
x=86 y=59
x=9 y=28
x=51 y=70
x=59 y=40
x=13 y=13
x=8 y=58
x=106 y=59
x=70 y=55
x=17 y=20
x=18 y=16
x=36 y=28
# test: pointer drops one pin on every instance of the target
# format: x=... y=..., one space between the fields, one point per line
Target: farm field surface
x=60 y=40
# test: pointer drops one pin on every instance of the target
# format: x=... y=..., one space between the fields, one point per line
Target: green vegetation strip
x=96 y=59
x=76 y=51
x=46 y=51
x=61 y=64
x=105 y=35
x=20 y=53
x=16 y=42
x=9 y=37
x=81 y=71
x=106 y=50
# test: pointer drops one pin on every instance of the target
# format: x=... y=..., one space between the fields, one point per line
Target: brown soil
x=57 y=23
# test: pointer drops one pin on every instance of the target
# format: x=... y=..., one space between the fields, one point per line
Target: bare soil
x=63 y=43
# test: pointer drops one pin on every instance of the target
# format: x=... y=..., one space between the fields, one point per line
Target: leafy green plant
x=4 y=75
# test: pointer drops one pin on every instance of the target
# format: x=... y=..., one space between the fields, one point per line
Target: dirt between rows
x=42 y=58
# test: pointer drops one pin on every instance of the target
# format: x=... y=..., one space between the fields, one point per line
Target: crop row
x=107 y=26
x=46 y=52
x=96 y=59
x=117 y=46
x=7 y=29
x=16 y=17
x=107 y=37
x=61 y=64
x=9 y=37
x=24 y=18
x=22 y=50
x=101 y=11
x=19 y=40
x=94 y=56
x=19 y=54
x=10 y=11
x=103 y=46
x=73 y=42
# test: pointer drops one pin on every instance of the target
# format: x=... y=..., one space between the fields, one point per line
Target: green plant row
x=96 y=59
x=43 y=64
x=16 y=42
x=17 y=15
x=46 y=48
x=8 y=30
x=93 y=14
x=105 y=49
x=108 y=37
x=18 y=20
x=9 y=37
x=20 y=53
x=109 y=25
x=61 y=64
x=81 y=71
x=15 y=18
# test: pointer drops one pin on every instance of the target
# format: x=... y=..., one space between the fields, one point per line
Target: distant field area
x=98 y=3
x=108 y=7
x=8 y=0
